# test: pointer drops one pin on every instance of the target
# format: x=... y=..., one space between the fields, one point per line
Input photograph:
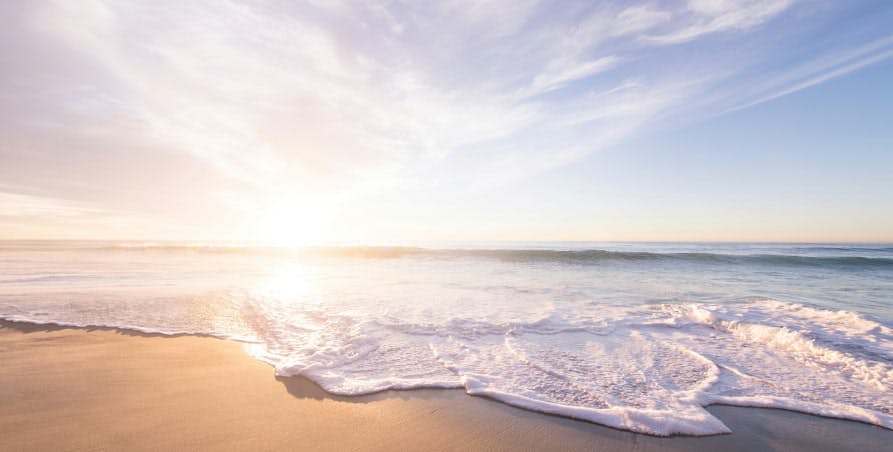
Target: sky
x=385 y=122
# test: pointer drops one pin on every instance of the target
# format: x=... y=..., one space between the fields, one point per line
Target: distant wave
x=586 y=256
x=856 y=249
x=852 y=257
x=595 y=256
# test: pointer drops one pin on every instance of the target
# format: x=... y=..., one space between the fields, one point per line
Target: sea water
x=637 y=336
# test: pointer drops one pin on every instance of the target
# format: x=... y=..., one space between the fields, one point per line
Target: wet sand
x=108 y=389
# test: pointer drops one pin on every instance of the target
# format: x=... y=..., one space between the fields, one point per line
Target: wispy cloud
x=557 y=75
x=705 y=17
x=344 y=99
x=818 y=71
x=29 y=217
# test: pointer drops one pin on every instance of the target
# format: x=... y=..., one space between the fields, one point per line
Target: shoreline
x=81 y=388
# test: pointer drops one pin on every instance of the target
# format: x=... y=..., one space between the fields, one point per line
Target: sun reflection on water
x=288 y=282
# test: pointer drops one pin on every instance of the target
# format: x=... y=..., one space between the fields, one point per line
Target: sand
x=107 y=389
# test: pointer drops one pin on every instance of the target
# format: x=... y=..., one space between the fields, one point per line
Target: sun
x=294 y=223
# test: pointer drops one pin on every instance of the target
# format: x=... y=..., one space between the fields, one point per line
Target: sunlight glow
x=287 y=283
x=294 y=223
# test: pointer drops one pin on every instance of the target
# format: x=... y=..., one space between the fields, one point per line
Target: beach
x=111 y=389
x=327 y=225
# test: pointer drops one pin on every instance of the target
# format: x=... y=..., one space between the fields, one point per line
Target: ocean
x=637 y=336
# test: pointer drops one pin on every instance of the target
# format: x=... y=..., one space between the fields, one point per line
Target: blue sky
x=814 y=165
x=382 y=122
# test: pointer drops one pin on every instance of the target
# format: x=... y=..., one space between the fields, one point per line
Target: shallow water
x=635 y=336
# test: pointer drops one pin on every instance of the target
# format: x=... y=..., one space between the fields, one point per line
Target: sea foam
x=649 y=370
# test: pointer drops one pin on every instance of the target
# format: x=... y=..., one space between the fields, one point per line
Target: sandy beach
x=427 y=226
x=107 y=389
